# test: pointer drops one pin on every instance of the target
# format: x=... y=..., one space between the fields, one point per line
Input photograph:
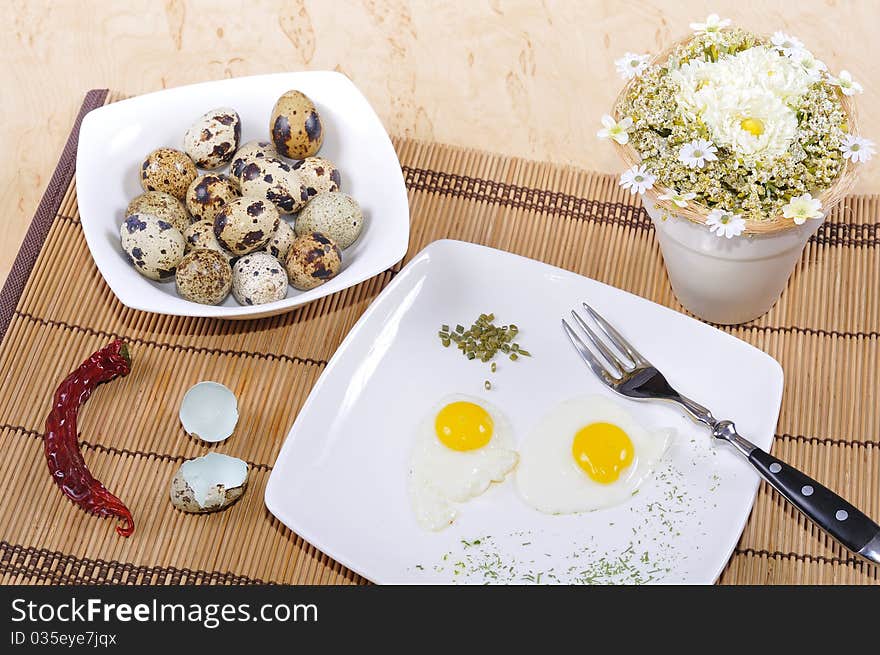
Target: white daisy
x=725 y=224
x=613 y=129
x=713 y=25
x=857 y=149
x=680 y=199
x=696 y=153
x=632 y=65
x=637 y=179
x=848 y=86
x=789 y=45
x=801 y=208
x=814 y=67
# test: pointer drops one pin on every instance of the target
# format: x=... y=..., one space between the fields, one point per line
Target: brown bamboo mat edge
x=497 y=186
x=45 y=215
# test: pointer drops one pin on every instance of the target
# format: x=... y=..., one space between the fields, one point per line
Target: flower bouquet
x=740 y=145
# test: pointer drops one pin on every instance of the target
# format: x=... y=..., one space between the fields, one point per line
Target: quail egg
x=153 y=246
x=335 y=214
x=251 y=150
x=209 y=411
x=258 y=278
x=207 y=195
x=280 y=242
x=213 y=139
x=318 y=175
x=161 y=205
x=274 y=180
x=204 y=276
x=245 y=225
x=312 y=260
x=168 y=170
x=201 y=235
x=296 y=126
x=208 y=483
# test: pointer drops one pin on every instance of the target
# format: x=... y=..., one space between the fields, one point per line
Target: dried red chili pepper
x=60 y=444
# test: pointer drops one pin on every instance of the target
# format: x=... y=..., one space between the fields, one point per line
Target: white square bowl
x=114 y=140
x=340 y=479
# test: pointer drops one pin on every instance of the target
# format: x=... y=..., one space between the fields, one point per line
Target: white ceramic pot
x=727 y=281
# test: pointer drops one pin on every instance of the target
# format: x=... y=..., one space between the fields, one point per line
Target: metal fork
x=626 y=371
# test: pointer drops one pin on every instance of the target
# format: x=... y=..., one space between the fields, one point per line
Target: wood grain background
x=520 y=77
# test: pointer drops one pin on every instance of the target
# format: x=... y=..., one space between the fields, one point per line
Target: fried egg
x=587 y=453
x=462 y=446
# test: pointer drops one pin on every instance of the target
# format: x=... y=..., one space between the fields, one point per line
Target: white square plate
x=341 y=477
x=114 y=140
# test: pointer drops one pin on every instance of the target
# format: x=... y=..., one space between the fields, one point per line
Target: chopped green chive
x=483 y=339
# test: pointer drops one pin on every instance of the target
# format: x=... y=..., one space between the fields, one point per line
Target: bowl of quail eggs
x=209 y=222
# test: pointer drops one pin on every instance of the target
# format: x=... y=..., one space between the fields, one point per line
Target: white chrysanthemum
x=725 y=224
x=744 y=99
x=801 y=208
x=696 y=153
x=617 y=130
x=789 y=45
x=632 y=65
x=637 y=179
x=680 y=199
x=714 y=24
x=848 y=86
x=857 y=149
x=812 y=66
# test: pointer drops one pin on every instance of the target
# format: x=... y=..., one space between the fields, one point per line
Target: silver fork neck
x=697 y=412
x=726 y=430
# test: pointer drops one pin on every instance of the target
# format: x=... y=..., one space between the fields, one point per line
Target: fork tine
x=586 y=354
x=617 y=366
x=622 y=344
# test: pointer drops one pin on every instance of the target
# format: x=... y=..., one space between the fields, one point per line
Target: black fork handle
x=839 y=518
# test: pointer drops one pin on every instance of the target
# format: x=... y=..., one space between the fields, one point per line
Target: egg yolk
x=463 y=426
x=602 y=450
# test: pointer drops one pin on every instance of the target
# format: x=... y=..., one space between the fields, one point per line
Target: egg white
x=440 y=477
x=549 y=479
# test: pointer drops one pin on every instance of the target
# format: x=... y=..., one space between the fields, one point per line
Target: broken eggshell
x=209 y=483
x=209 y=411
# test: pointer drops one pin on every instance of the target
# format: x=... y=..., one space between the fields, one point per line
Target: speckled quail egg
x=161 y=205
x=207 y=194
x=204 y=276
x=335 y=214
x=251 y=150
x=258 y=278
x=153 y=246
x=280 y=242
x=213 y=139
x=274 y=180
x=295 y=126
x=318 y=175
x=201 y=235
x=208 y=483
x=245 y=225
x=312 y=260
x=168 y=170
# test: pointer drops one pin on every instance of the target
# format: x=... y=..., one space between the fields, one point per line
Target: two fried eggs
x=587 y=453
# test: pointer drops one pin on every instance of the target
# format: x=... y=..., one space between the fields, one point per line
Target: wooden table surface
x=521 y=77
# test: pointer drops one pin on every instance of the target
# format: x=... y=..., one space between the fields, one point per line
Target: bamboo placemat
x=824 y=331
